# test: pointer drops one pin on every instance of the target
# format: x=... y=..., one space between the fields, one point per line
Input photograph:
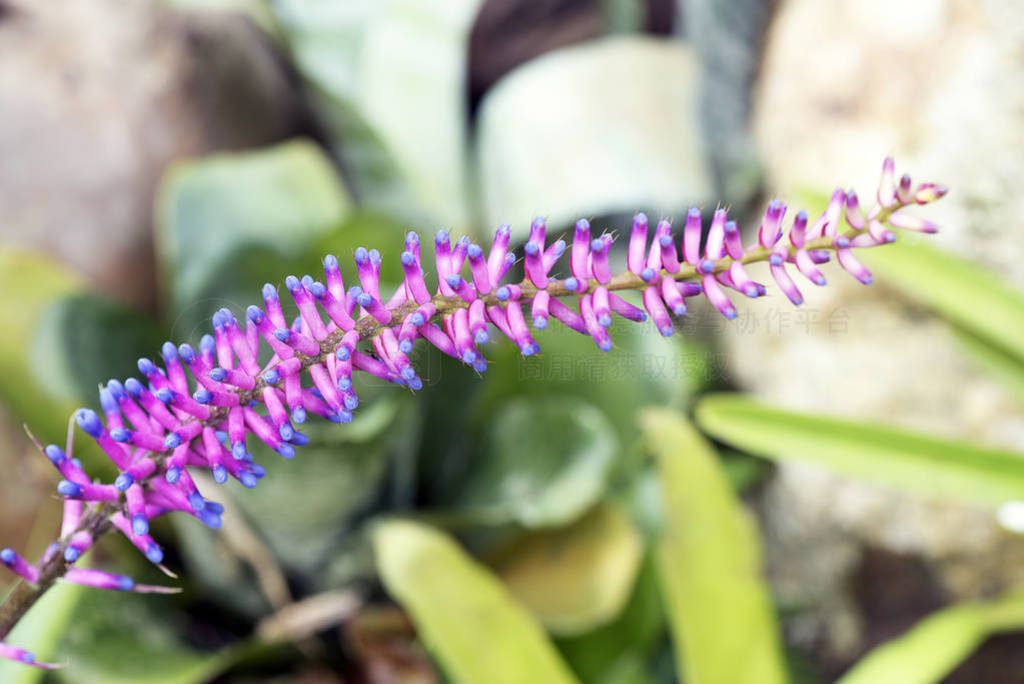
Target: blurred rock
x=941 y=85
x=728 y=37
x=507 y=33
x=97 y=97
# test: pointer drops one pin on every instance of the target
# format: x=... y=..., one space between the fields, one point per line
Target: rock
x=97 y=97
x=940 y=85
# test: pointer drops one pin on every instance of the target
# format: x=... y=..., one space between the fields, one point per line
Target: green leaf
x=578 y=577
x=999 y=364
x=458 y=606
x=391 y=75
x=889 y=456
x=937 y=644
x=40 y=631
x=548 y=461
x=82 y=340
x=123 y=637
x=30 y=284
x=273 y=202
x=552 y=139
x=302 y=506
x=966 y=294
x=608 y=654
x=709 y=561
x=642 y=368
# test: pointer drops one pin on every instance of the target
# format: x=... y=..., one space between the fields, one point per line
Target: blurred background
x=160 y=160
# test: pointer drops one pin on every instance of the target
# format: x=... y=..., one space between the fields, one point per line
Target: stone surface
x=940 y=84
x=97 y=97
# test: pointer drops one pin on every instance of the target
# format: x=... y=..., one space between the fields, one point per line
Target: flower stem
x=25 y=594
x=97 y=520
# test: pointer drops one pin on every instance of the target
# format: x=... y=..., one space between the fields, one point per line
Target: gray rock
x=939 y=84
x=97 y=97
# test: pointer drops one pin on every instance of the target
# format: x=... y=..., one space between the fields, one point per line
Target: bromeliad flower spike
x=157 y=427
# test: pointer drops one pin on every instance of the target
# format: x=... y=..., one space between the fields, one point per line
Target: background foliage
x=559 y=519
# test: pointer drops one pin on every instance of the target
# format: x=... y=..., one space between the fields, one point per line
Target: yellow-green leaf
x=40 y=631
x=1000 y=365
x=578 y=577
x=937 y=644
x=965 y=293
x=31 y=283
x=897 y=458
x=464 y=614
x=208 y=211
x=709 y=561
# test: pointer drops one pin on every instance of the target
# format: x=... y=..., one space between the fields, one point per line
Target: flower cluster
x=261 y=377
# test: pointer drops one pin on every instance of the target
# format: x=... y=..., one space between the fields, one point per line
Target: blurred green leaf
x=131 y=638
x=642 y=368
x=461 y=406
x=709 y=561
x=373 y=230
x=302 y=505
x=84 y=339
x=307 y=509
x=937 y=644
x=551 y=137
x=30 y=284
x=966 y=294
x=1004 y=367
x=391 y=75
x=467 y=618
x=257 y=206
x=643 y=496
x=624 y=16
x=610 y=653
x=548 y=461
x=41 y=631
x=578 y=577
x=905 y=460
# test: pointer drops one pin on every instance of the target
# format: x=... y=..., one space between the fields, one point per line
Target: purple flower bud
x=460 y=287
x=496 y=260
x=805 y=264
x=714 y=293
x=853 y=266
x=742 y=282
x=19 y=565
x=580 y=249
x=887 y=184
x=596 y=330
x=478 y=318
x=798 y=231
x=771 y=224
x=903 y=191
x=929 y=192
x=565 y=316
x=656 y=309
x=733 y=240
x=907 y=222
x=782 y=278
x=637 y=244
x=691 y=236
x=602 y=306
x=673 y=296
x=599 y=260
x=625 y=309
